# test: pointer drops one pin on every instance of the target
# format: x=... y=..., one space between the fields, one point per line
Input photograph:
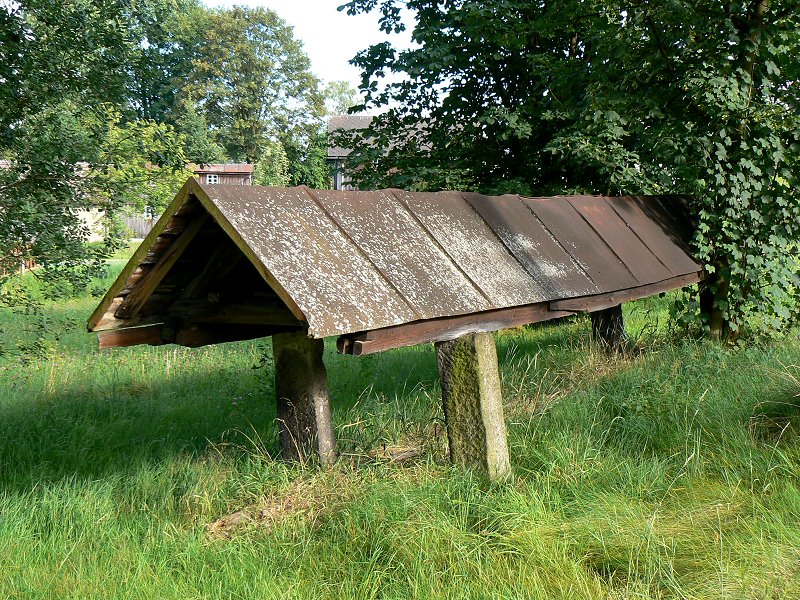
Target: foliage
x=340 y=97
x=141 y=165
x=161 y=61
x=308 y=162
x=696 y=98
x=53 y=77
x=273 y=167
x=252 y=81
x=199 y=146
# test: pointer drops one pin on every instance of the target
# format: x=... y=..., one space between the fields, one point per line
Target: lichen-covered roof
x=345 y=123
x=352 y=261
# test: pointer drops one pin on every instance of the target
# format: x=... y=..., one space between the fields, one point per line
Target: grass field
x=149 y=473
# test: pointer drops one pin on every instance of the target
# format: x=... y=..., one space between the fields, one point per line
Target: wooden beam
x=139 y=295
x=244 y=313
x=181 y=203
x=610 y=299
x=109 y=321
x=131 y=337
x=445 y=328
x=194 y=335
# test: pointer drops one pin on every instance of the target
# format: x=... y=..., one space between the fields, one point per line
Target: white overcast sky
x=330 y=38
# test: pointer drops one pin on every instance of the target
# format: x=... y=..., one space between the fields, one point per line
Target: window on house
x=212 y=179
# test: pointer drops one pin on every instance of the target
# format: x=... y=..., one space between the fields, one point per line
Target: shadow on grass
x=109 y=419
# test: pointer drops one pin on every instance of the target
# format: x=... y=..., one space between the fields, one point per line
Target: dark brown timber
x=603 y=301
x=445 y=328
x=141 y=293
x=608 y=328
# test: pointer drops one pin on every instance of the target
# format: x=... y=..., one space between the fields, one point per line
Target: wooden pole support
x=608 y=328
x=473 y=403
x=303 y=401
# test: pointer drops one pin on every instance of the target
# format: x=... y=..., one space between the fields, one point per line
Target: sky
x=330 y=38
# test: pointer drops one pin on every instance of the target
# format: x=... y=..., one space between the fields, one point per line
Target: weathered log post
x=303 y=401
x=473 y=404
x=608 y=328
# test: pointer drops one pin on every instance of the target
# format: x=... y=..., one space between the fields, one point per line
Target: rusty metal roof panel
x=638 y=258
x=358 y=260
x=335 y=286
x=473 y=246
x=400 y=249
x=658 y=227
x=583 y=243
x=528 y=240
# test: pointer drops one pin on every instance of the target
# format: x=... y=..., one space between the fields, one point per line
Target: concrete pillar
x=303 y=402
x=608 y=329
x=473 y=404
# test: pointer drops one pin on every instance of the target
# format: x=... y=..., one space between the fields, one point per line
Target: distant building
x=224 y=174
x=337 y=155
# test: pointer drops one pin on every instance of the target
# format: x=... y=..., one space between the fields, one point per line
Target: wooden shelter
x=384 y=269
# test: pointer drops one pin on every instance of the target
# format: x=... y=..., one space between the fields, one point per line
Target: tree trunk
x=713 y=298
x=303 y=402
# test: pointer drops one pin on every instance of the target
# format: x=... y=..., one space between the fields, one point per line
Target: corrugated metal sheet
x=346 y=262
x=355 y=261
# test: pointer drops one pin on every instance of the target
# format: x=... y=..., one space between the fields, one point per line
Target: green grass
x=148 y=473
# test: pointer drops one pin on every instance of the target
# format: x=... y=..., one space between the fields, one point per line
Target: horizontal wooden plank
x=206 y=334
x=119 y=338
x=201 y=311
x=603 y=301
x=446 y=328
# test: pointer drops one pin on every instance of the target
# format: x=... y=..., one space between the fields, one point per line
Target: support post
x=608 y=328
x=473 y=404
x=303 y=401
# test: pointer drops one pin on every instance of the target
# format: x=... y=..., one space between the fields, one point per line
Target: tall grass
x=150 y=473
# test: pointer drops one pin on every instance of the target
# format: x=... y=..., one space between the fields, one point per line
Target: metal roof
x=354 y=261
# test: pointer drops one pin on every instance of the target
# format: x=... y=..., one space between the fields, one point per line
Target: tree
x=140 y=164
x=273 y=167
x=252 y=81
x=693 y=97
x=200 y=147
x=160 y=63
x=308 y=162
x=59 y=62
x=340 y=97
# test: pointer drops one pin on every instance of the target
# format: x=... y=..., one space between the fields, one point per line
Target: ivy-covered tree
x=696 y=97
x=273 y=167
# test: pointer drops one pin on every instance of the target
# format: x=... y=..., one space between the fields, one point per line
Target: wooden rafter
x=140 y=294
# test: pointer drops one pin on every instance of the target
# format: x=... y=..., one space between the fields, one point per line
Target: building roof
x=345 y=123
x=341 y=263
x=232 y=168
